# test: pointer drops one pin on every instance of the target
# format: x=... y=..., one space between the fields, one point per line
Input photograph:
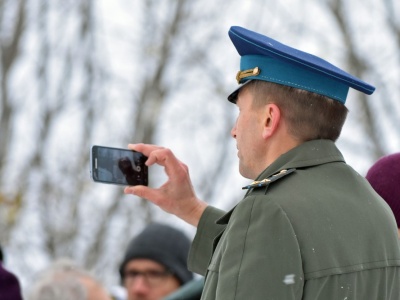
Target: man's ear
x=272 y=118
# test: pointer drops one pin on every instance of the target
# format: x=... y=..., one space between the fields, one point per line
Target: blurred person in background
x=64 y=280
x=10 y=288
x=155 y=263
x=384 y=177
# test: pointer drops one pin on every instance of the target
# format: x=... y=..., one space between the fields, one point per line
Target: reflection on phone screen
x=120 y=166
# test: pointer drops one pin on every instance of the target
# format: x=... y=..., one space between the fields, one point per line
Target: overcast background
x=74 y=73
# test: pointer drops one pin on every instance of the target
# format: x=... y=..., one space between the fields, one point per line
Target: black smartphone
x=118 y=166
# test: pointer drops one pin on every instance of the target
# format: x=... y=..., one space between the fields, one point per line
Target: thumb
x=142 y=192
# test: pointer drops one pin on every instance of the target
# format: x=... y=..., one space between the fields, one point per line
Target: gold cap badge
x=247 y=73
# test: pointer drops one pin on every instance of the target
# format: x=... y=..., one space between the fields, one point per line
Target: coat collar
x=308 y=154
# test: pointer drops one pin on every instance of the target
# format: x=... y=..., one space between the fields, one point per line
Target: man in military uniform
x=309 y=227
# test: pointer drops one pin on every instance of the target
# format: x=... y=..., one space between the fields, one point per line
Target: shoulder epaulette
x=267 y=181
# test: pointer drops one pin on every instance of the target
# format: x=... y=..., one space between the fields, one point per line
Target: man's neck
x=280 y=146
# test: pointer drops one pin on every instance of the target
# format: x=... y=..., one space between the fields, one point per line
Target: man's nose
x=139 y=285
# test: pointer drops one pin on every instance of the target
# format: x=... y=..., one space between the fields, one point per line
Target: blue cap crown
x=263 y=58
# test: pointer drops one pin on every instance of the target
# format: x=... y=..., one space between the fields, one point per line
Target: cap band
x=278 y=71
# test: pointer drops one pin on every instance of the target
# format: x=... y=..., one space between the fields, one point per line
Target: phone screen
x=118 y=166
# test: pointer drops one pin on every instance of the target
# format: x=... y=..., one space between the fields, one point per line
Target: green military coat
x=316 y=231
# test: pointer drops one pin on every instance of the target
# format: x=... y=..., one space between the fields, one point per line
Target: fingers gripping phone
x=118 y=166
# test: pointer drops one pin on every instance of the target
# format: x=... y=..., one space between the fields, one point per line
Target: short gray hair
x=61 y=281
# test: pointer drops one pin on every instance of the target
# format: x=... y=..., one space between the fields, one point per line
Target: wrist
x=196 y=213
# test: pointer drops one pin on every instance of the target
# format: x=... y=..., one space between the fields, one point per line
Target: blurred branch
x=9 y=54
x=152 y=95
x=153 y=92
x=392 y=20
x=358 y=67
x=9 y=51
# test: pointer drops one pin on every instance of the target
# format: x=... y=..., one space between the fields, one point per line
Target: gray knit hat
x=163 y=244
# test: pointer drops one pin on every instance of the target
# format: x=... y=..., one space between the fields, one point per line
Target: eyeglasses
x=151 y=277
